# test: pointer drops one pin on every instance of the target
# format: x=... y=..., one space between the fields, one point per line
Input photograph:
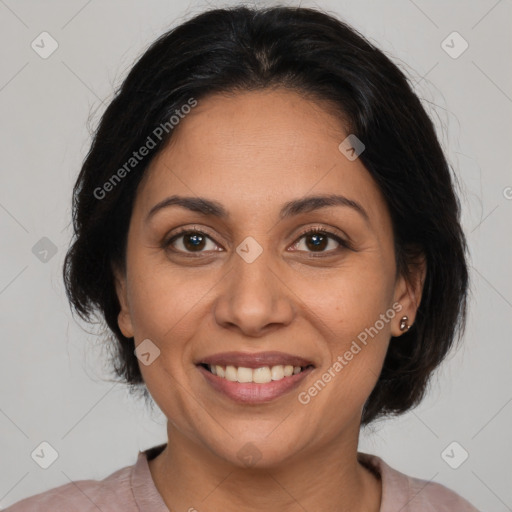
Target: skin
x=252 y=152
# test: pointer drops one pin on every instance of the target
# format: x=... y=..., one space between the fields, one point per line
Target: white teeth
x=260 y=375
x=231 y=374
x=277 y=372
x=244 y=374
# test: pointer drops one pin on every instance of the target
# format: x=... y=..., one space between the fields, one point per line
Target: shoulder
x=435 y=497
x=83 y=496
x=411 y=494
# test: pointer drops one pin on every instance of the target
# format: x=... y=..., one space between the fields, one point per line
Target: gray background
x=52 y=377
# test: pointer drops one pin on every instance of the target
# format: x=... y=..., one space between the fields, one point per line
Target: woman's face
x=252 y=282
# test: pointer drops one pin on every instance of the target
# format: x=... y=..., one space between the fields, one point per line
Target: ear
x=123 y=319
x=408 y=292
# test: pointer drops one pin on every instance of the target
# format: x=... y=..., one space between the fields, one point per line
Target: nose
x=254 y=299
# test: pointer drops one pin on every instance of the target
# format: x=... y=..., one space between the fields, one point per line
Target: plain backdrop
x=53 y=380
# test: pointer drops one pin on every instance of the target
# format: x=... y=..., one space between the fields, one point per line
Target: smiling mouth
x=261 y=375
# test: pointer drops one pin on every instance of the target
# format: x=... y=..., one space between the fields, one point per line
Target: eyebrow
x=213 y=208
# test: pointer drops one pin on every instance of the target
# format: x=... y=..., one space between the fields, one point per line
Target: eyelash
x=310 y=231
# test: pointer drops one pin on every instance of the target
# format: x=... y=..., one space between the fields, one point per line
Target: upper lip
x=254 y=360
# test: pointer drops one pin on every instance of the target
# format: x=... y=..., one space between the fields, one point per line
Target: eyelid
x=330 y=232
x=183 y=231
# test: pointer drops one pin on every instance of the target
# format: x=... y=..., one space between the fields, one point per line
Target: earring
x=404 y=326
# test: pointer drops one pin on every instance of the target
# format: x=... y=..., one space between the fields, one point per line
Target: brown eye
x=194 y=241
x=188 y=241
x=318 y=240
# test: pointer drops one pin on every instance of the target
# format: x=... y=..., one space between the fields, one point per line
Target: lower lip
x=252 y=393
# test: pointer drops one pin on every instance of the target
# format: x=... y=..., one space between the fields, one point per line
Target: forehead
x=256 y=150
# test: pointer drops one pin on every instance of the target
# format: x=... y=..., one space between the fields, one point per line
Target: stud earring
x=404 y=326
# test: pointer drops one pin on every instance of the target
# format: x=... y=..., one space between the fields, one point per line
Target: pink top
x=131 y=489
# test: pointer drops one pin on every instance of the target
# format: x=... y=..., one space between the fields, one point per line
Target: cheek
x=357 y=346
x=355 y=319
x=353 y=300
x=163 y=300
x=165 y=304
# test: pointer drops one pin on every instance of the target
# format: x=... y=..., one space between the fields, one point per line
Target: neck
x=330 y=478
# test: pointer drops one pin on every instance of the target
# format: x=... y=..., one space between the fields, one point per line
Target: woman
x=266 y=216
